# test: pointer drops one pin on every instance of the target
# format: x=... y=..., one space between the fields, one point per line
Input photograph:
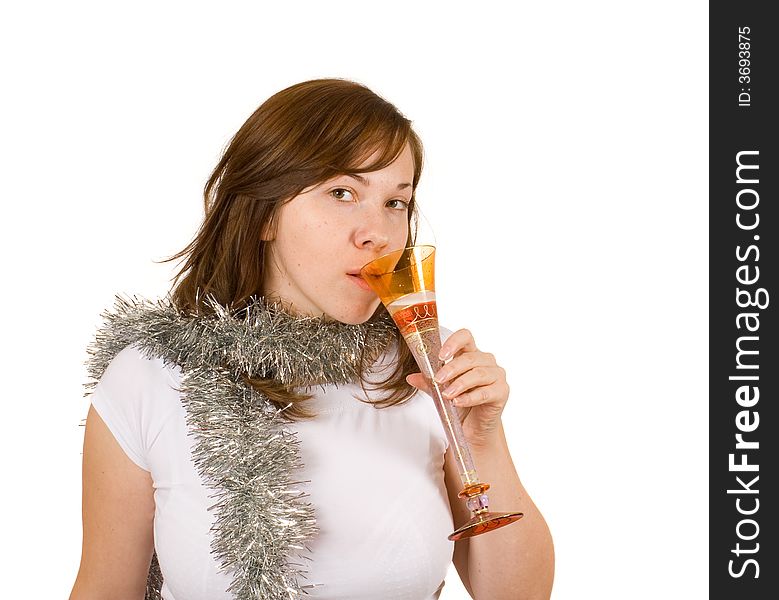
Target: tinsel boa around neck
x=262 y=522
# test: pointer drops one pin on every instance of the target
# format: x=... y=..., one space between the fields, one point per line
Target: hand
x=475 y=382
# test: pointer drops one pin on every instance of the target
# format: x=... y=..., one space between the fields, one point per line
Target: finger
x=494 y=395
x=474 y=397
x=462 y=363
x=419 y=382
x=473 y=378
x=460 y=341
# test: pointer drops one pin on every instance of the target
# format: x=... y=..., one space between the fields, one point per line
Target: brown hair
x=299 y=137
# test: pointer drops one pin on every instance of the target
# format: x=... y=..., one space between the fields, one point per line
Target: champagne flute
x=405 y=282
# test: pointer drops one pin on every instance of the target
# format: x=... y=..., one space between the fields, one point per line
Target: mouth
x=355 y=276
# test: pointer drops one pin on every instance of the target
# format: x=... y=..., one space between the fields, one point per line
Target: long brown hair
x=299 y=137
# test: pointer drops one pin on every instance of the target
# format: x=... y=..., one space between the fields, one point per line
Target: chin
x=355 y=315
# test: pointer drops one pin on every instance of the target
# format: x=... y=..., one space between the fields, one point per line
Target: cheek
x=312 y=247
x=401 y=237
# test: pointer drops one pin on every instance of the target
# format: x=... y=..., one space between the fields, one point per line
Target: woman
x=260 y=433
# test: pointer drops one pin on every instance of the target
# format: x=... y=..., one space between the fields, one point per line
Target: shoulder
x=139 y=382
x=136 y=395
x=133 y=367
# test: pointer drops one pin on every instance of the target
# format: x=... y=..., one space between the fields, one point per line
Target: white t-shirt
x=376 y=484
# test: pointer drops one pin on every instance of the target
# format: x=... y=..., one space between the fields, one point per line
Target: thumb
x=418 y=381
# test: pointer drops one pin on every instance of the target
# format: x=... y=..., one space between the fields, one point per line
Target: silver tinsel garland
x=243 y=451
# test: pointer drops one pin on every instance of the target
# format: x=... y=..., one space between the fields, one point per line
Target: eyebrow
x=365 y=181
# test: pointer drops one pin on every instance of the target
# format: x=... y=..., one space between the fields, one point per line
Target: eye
x=342 y=194
x=400 y=204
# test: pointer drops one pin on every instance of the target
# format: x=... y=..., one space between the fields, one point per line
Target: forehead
x=404 y=160
x=400 y=170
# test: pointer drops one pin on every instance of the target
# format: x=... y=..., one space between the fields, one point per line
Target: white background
x=566 y=180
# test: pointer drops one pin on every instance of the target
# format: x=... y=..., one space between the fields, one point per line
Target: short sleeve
x=133 y=399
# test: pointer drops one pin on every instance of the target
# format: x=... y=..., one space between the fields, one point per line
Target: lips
x=355 y=276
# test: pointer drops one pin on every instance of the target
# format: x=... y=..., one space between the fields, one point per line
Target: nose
x=372 y=230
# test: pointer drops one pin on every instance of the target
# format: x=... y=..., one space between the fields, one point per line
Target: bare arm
x=516 y=561
x=118 y=518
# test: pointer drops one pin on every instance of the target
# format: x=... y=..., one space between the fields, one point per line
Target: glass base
x=484 y=522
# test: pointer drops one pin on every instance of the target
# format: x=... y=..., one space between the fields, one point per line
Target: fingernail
x=451 y=392
x=444 y=354
x=440 y=377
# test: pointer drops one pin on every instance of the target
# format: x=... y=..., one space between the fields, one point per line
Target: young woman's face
x=327 y=233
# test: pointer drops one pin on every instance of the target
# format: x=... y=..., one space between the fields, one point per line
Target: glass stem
x=450 y=419
x=425 y=345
